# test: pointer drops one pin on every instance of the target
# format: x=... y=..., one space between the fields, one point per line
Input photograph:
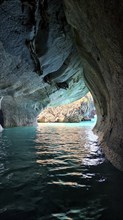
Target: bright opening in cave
x=75 y=112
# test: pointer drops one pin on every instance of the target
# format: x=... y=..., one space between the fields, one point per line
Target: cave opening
x=75 y=112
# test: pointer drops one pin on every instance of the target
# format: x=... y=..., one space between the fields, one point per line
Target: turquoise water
x=57 y=171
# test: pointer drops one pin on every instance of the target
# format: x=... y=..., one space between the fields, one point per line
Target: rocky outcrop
x=98 y=31
x=40 y=65
x=77 y=111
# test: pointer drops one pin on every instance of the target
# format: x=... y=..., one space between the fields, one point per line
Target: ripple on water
x=57 y=172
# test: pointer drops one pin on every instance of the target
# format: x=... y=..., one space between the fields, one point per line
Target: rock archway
x=48 y=48
x=98 y=31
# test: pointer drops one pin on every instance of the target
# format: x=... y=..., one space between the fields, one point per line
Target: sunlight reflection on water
x=57 y=171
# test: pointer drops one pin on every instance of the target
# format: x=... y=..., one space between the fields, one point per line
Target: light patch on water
x=63 y=183
x=80 y=124
x=57 y=171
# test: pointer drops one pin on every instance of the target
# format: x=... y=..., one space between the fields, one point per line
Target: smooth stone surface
x=50 y=44
x=98 y=31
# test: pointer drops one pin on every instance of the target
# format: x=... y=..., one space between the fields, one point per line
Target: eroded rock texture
x=80 y=110
x=40 y=65
x=98 y=30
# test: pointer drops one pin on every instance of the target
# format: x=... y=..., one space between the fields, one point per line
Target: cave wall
x=98 y=31
x=39 y=63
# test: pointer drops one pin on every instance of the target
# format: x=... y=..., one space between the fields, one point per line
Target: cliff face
x=40 y=65
x=77 y=111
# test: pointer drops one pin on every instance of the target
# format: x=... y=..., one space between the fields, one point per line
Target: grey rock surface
x=98 y=31
x=39 y=62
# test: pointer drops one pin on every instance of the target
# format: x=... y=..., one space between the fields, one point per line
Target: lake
x=57 y=171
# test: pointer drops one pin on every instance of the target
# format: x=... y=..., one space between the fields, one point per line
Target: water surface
x=57 y=171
